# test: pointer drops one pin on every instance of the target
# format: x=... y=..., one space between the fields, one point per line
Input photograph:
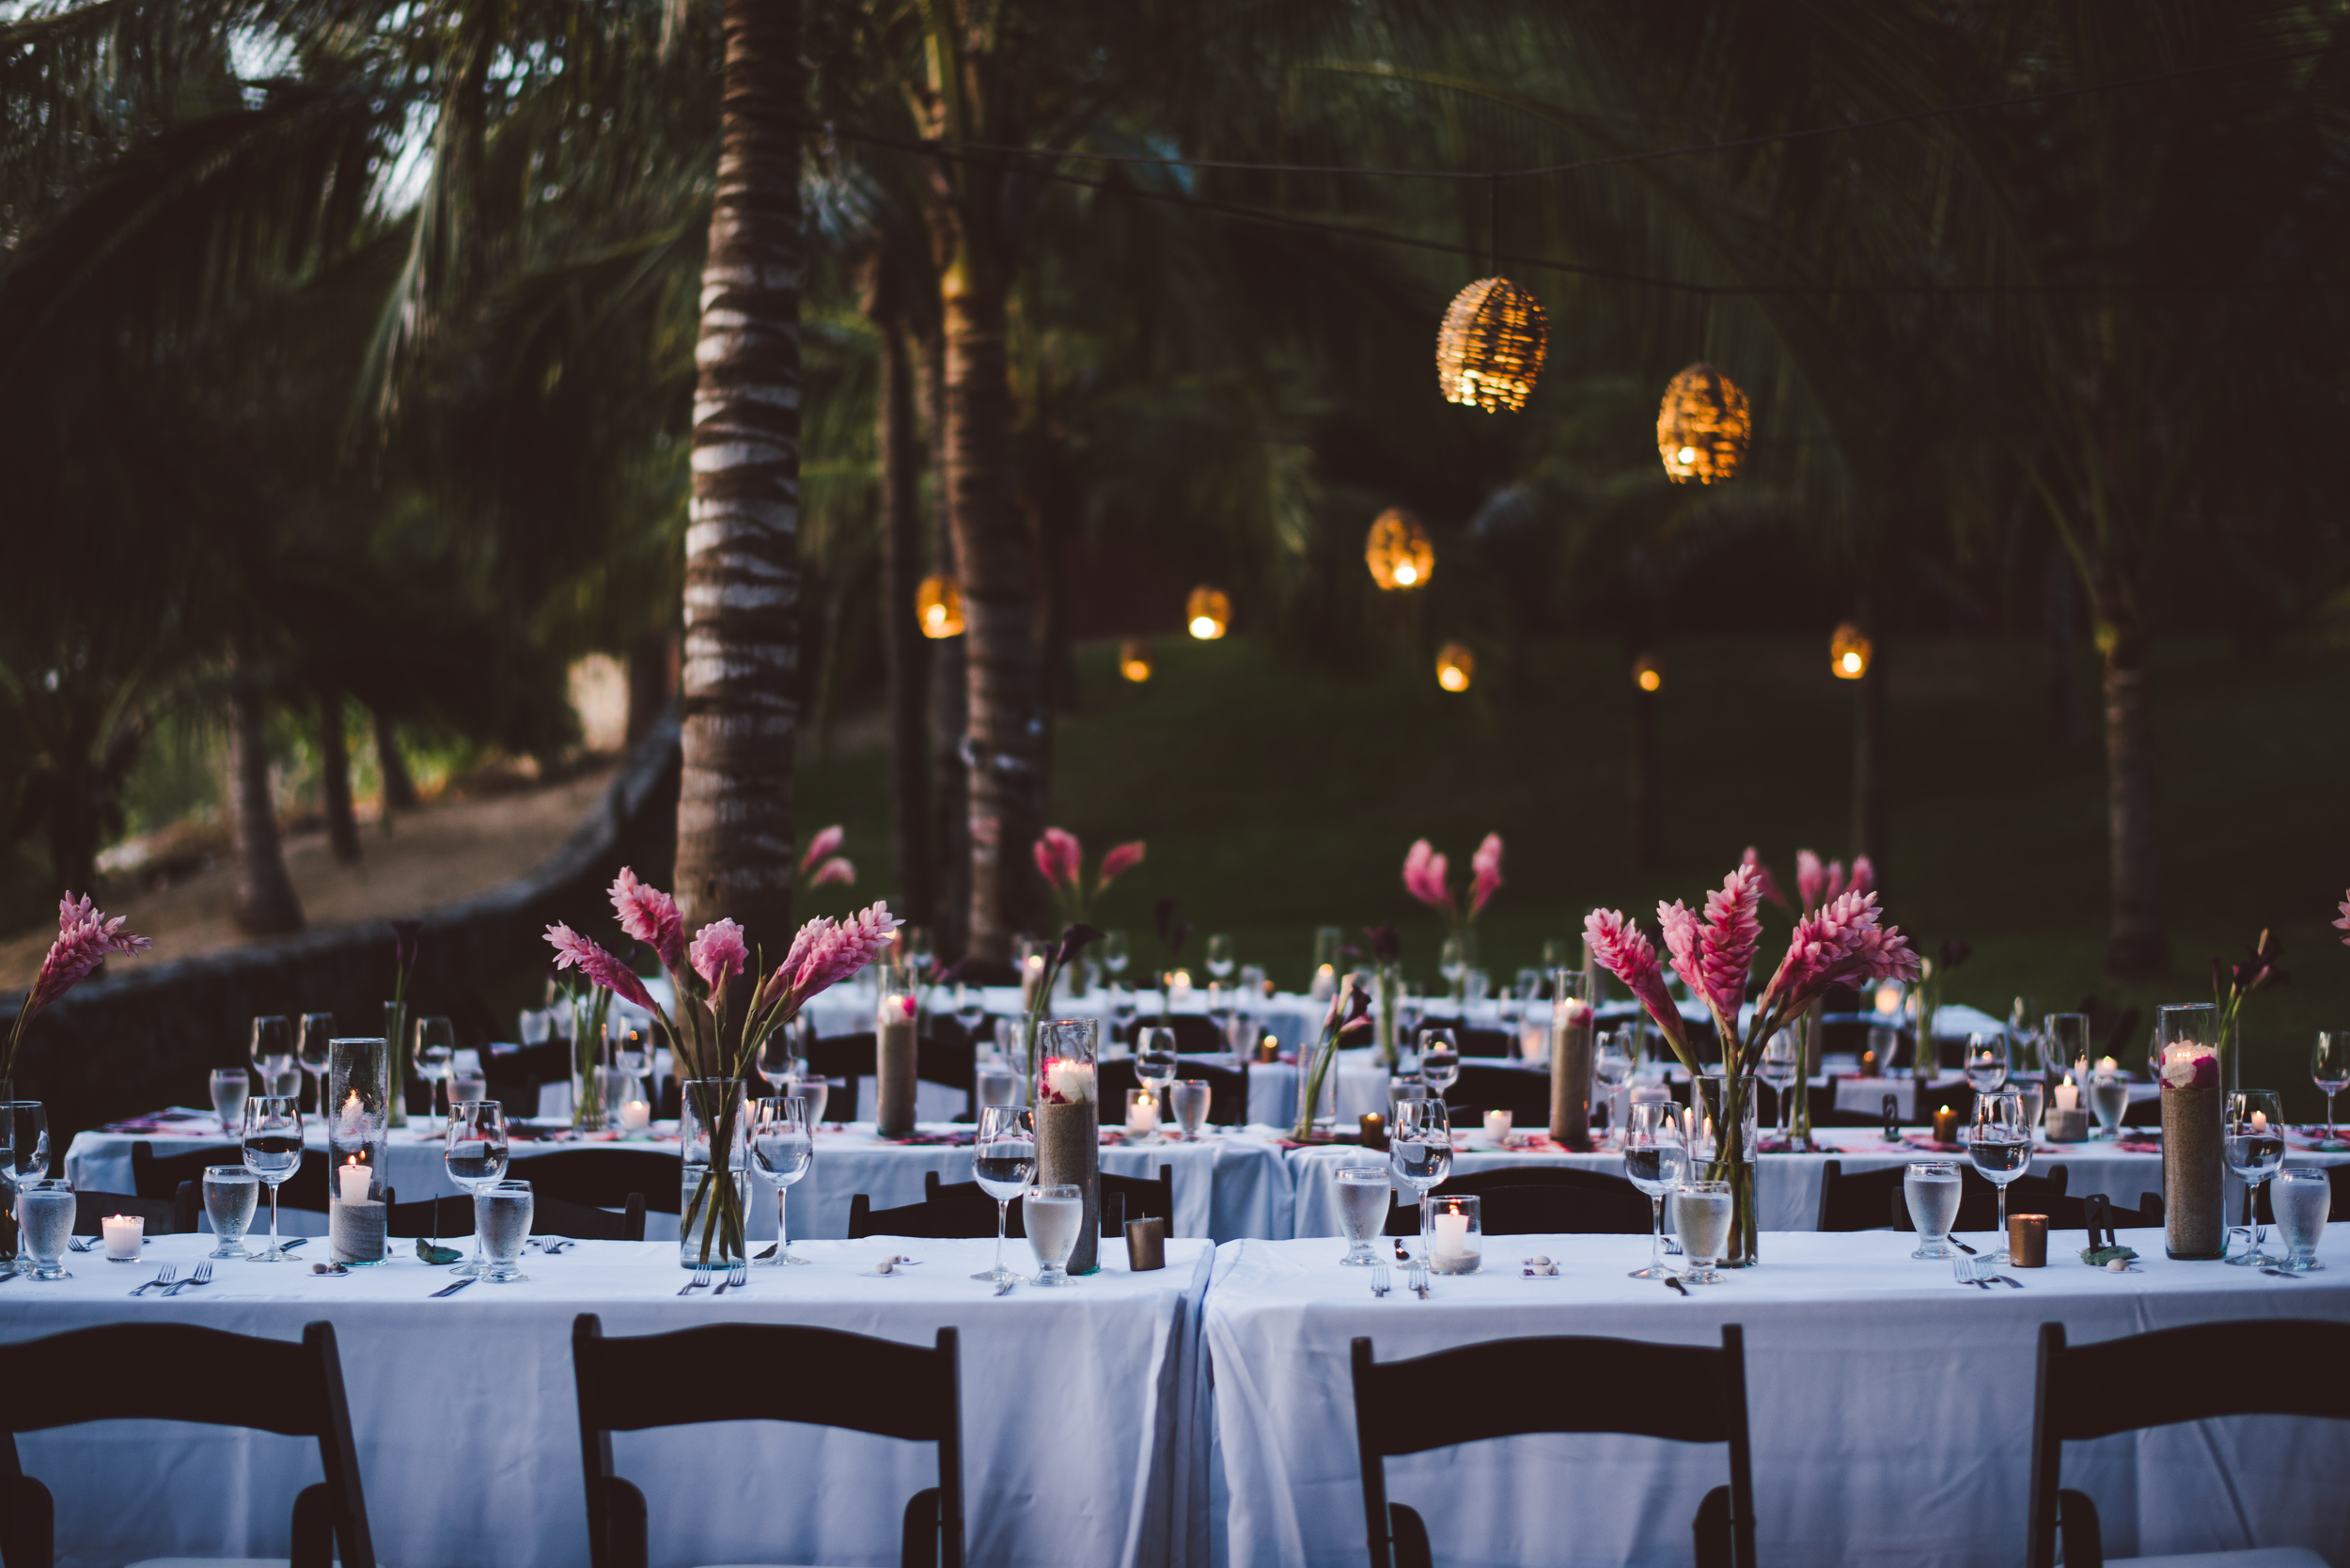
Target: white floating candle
x=1142 y=1113
x=2068 y=1096
x=353 y=1178
x=1452 y=1234
x=123 y=1234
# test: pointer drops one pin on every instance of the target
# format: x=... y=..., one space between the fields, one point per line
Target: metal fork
x=80 y=1244
x=162 y=1276
x=1419 y=1280
x=701 y=1280
x=203 y=1276
x=1379 y=1280
x=736 y=1278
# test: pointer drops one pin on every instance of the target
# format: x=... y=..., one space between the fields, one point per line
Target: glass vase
x=897 y=1026
x=357 y=1112
x=591 y=1109
x=396 y=1037
x=1722 y=1142
x=1068 y=1123
x=1571 y=1020
x=713 y=1195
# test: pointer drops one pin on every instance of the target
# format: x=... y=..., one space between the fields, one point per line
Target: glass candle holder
x=358 y=1132
x=897 y=1026
x=1068 y=1122
x=1142 y=1113
x=1571 y=1020
x=1456 y=1233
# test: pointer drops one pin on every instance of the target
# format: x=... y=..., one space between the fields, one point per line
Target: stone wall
x=146 y=1034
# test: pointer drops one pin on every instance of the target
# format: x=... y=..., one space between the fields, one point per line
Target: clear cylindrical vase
x=713 y=1194
x=358 y=1134
x=1723 y=1142
x=1068 y=1123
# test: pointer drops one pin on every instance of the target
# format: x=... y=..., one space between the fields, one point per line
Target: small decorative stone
x=2118 y=1265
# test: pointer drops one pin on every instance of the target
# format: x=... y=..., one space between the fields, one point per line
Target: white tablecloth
x=1075 y=1411
x=1890 y=1409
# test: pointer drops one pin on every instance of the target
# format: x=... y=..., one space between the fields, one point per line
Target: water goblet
x=2002 y=1149
x=1439 y=1059
x=1655 y=1158
x=1220 y=961
x=1782 y=1061
x=1986 y=1063
x=970 y=1007
x=272 y=1051
x=1611 y=1069
x=230 y=1088
x=1701 y=1220
x=474 y=1148
x=25 y=1155
x=813 y=1087
x=1003 y=1158
x=1053 y=1215
x=272 y=1151
x=502 y=1213
x=432 y=1048
x=1932 y=1189
x=2110 y=1100
x=1365 y=1191
x=2303 y=1197
x=2254 y=1142
x=310 y=1051
x=1419 y=1151
x=783 y=1146
x=996 y=1084
x=44 y=1221
x=231 y=1194
x=2329 y=1070
x=1189 y=1097
x=1156 y=1064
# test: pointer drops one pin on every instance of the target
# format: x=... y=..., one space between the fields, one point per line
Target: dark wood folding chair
x=2071 y=1214
x=956 y=1215
x=1228 y=1090
x=90 y=1210
x=603 y=1177
x=1523 y=1092
x=1196 y=1033
x=1864 y=1199
x=2130 y=1384
x=1533 y=1200
x=550 y=1216
x=1687 y=1393
x=154 y=1175
x=822 y=1376
x=114 y=1374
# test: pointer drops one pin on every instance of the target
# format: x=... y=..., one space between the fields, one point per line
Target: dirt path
x=448 y=851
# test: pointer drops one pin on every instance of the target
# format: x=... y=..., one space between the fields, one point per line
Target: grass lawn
x=1277 y=796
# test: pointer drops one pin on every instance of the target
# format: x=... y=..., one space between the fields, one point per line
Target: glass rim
x=1937 y=1167
x=46 y=1184
x=2304 y=1173
x=1057 y=1191
x=1707 y=1186
x=225 y=1072
x=244 y=1170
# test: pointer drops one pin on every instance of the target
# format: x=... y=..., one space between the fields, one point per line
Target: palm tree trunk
x=266 y=905
x=903 y=645
x=399 y=790
x=342 y=824
x=740 y=670
x=2136 y=949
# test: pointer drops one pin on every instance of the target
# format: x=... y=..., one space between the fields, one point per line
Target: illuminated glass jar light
x=1455 y=666
x=1208 y=613
x=1134 y=661
x=938 y=607
x=1399 y=551
x=1702 y=426
x=1489 y=350
x=1849 y=652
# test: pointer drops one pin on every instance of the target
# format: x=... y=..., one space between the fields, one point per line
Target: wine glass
x=2064 y=1046
x=1054 y=1214
x=1156 y=1064
x=2329 y=1070
x=1655 y=1159
x=1115 y=953
x=318 y=1028
x=2025 y=1026
x=1220 y=960
x=1003 y=1157
x=1452 y=963
x=433 y=1050
x=2000 y=1148
x=1419 y=1151
x=775 y=1059
x=1439 y=1061
x=272 y=1151
x=1611 y=1069
x=474 y=1147
x=2255 y=1150
x=1364 y=1193
x=783 y=1147
x=1782 y=1061
x=1190 y=1101
x=24 y=1152
x=970 y=1007
x=271 y=1053
x=1986 y=1063
x=1411 y=1005
x=814 y=1088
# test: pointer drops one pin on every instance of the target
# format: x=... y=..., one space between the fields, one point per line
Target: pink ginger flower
x=1060 y=857
x=1425 y=873
x=1864 y=876
x=718 y=955
x=824 y=953
x=1810 y=878
x=86 y=939
x=838 y=868
x=650 y=915
x=1117 y=863
x=604 y=968
x=1628 y=955
x=2344 y=924
x=1486 y=866
x=1765 y=884
x=825 y=842
x=1733 y=929
x=1845 y=943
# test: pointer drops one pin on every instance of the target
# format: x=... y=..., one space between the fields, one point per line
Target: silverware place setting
x=453 y=1289
x=699 y=1282
x=163 y=1275
x=1379 y=1286
x=736 y=1278
x=1672 y=1283
x=203 y=1276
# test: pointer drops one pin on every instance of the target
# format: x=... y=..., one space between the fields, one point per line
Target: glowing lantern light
x=1490 y=347
x=1849 y=652
x=1702 y=426
x=938 y=606
x=1134 y=661
x=1648 y=674
x=1399 y=551
x=1455 y=665
x=1208 y=613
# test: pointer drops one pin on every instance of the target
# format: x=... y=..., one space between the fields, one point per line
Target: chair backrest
x=1523 y=1092
x=1863 y=1199
x=109 y=1374
x=1488 y=1043
x=2133 y=1383
x=962 y=1210
x=2071 y=1214
x=1685 y=1393
x=154 y=1175
x=1527 y=1199
x=1196 y=1033
x=603 y=1177
x=782 y=1372
x=1228 y=1091
x=90 y=1210
x=550 y=1216
x=1123 y=1198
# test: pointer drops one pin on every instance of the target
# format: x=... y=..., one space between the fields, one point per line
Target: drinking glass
x=502 y=1212
x=997 y=1084
x=1115 y=954
x=1220 y=961
x=783 y=1146
x=1439 y=1061
x=1701 y=1220
x=231 y=1194
x=311 y=1051
x=1611 y=1069
x=2254 y=1146
x=1003 y=1157
x=466 y=1080
x=1781 y=1063
x=231 y=1084
x=2002 y=1149
x=1053 y=1215
x=1156 y=1064
x=1986 y=1063
x=2109 y=1099
x=1364 y=1192
x=273 y=1055
x=2024 y=1025
x=1452 y=963
x=775 y=1059
x=1476 y=985
x=434 y=1046
x=2302 y=1195
x=272 y=1151
x=1419 y=1151
x=1190 y=1099
x=1932 y=1189
x=2329 y=1070
x=24 y=1154
x=474 y=1147
x=1655 y=1158
x=814 y=1089
x=2064 y=1046
x=44 y=1220
x=970 y=1007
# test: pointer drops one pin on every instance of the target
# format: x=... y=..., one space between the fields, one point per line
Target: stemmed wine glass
x=1189 y=1101
x=433 y=1053
x=1439 y=1061
x=2255 y=1149
x=1782 y=1059
x=1115 y=954
x=812 y=1087
x=784 y=1148
x=2329 y=1070
x=23 y=1157
x=1452 y=963
x=2000 y=1148
x=1986 y=1063
x=1220 y=957
x=775 y=1061
x=1156 y=1063
x=474 y=1147
x=1004 y=1160
x=1411 y=1005
x=1654 y=1160
x=271 y=1053
x=272 y=1151
x=1611 y=1069
x=1419 y=1151
x=2026 y=1038
x=317 y=1029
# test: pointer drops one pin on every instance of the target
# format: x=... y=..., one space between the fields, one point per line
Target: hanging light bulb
x=1702 y=426
x=1849 y=652
x=938 y=607
x=1489 y=350
x=1208 y=613
x=1399 y=551
x=1648 y=674
x=1134 y=661
x=1455 y=666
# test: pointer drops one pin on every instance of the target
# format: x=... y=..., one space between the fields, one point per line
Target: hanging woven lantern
x=1399 y=552
x=1134 y=661
x=938 y=607
x=1648 y=674
x=1849 y=652
x=1455 y=666
x=1208 y=612
x=1703 y=426
x=1490 y=347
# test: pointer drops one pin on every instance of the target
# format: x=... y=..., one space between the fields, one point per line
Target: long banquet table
x=1076 y=1404
x=1890 y=1407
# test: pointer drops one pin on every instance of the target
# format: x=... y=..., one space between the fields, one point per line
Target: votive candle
x=1142 y=1112
x=1498 y=1125
x=1946 y=1125
x=352 y=1182
x=123 y=1234
x=636 y=1117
